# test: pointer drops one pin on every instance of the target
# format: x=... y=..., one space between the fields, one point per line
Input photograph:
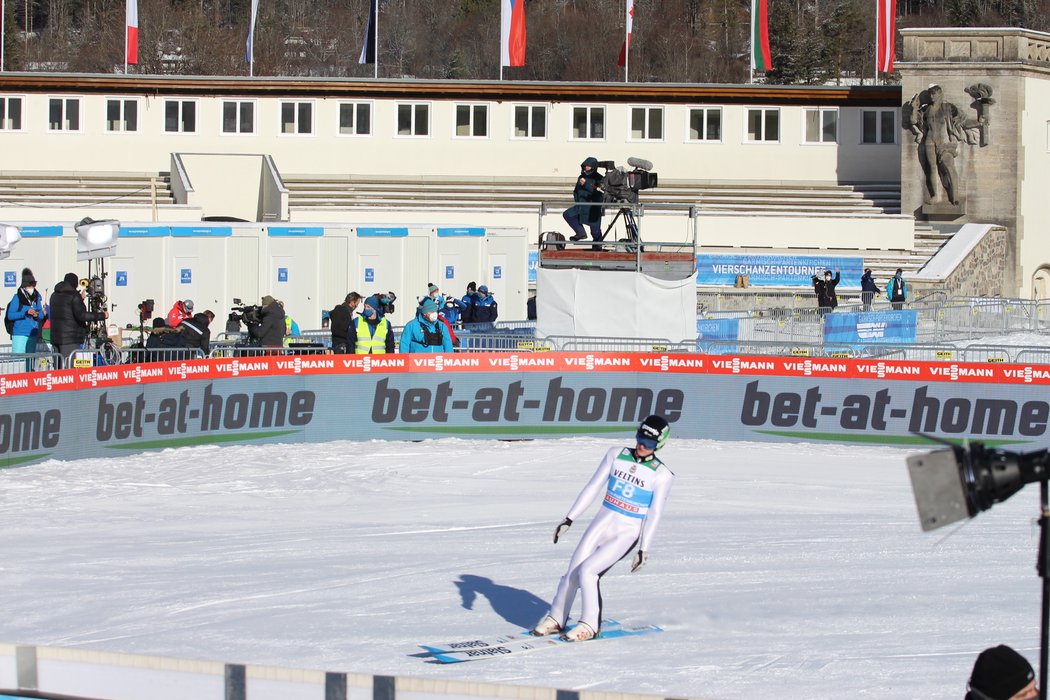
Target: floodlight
x=9 y=235
x=96 y=239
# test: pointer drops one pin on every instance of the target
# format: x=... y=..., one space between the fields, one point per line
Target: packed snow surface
x=780 y=571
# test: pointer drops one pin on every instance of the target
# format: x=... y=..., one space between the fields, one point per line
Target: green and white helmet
x=653 y=432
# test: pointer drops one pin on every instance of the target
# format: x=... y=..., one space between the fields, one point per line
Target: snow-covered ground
x=780 y=571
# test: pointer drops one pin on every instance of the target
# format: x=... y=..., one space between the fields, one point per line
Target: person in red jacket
x=180 y=311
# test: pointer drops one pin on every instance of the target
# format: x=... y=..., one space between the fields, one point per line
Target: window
x=472 y=120
x=822 y=125
x=297 y=118
x=878 y=126
x=238 y=117
x=10 y=113
x=763 y=124
x=647 y=123
x=355 y=118
x=530 y=121
x=588 y=122
x=64 y=114
x=180 y=116
x=705 y=124
x=413 y=120
x=122 y=115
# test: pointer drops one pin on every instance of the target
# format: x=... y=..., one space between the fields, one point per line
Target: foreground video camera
x=622 y=185
x=249 y=314
x=961 y=481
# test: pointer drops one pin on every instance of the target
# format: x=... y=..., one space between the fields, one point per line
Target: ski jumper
x=635 y=493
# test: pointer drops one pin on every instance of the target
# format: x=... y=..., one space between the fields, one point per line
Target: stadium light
x=96 y=239
x=9 y=236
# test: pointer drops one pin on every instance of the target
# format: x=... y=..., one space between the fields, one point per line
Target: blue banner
x=871 y=327
x=776 y=270
x=721 y=329
x=294 y=231
x=444 y=232
x=390 y=232
x=534 y=262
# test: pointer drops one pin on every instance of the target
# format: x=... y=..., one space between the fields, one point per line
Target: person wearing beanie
x=435 y=293
x=486 y=310
x=466 y=304
x=70 y=317
x=1000 y=673
x=270 y=330
x=25 y=316
x=371 y=333
x=426 y=332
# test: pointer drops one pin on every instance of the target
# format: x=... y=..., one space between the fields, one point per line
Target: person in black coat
x=164 y=342
x=868 y=289
x=340 y=319
x=195 y=332
x=70 y=316
x=270 y=331
x=586 y=192
x=827 y=299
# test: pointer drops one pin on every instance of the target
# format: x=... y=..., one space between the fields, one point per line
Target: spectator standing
x=270 y=330
x=897 y=290
x=426 y=333
x=868 y=289
x=180 y=311
x=70 y=316
x=195 y=332
x=452 y=309
x=164 y=342
x=341 y=318
x=587 y=197
x=827 y=299
x=25 y=315
x=486 y=310
x=467 y=304
x=1000 y=673
x=371 y=333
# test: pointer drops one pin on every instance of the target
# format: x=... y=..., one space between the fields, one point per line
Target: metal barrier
x=226 y=351
x=564 y=343
x=11 y=363
x=501 y=342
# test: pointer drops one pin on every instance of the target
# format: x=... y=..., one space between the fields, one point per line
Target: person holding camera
x=587 y=197
x=269 y=332
x=70 y=316
x=824 y=288
x=371 y=333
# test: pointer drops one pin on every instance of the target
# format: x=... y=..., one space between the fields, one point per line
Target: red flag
x=886 y=34
x=131 y=49
x=622 y=61
x=512 y=33
x=761 y=57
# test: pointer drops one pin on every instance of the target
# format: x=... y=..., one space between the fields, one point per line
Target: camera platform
x=670 y=261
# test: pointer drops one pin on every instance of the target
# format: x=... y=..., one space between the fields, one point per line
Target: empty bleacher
x=84 y=189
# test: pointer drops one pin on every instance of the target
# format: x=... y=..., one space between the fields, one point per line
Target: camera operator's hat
x=267 y=300
x=188 y=304
x=71 y=279
x=1000 y=673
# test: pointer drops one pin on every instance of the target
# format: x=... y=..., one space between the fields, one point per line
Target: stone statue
x=939 y=127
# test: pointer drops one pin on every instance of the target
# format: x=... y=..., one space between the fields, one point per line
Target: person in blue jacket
x=425 y=333
x=25 y=315
x=485 y=310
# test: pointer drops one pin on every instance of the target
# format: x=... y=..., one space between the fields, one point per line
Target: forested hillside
x=707 y=41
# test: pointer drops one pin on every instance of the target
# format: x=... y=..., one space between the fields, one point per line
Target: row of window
x=878 y=126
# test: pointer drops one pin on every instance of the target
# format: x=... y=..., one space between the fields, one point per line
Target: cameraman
x=269 y=332
x=195 y=331
x=70 y=316
x=587 y=193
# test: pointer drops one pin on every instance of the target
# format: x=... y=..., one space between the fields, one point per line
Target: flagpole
x=127 y=32
x=626 y=40
x=3 y=30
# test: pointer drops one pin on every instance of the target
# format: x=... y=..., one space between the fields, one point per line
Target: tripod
x=630 y=223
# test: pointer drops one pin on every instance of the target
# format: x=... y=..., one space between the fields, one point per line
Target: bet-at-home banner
x=106 y=411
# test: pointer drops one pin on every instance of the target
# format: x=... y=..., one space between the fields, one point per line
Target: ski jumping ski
x=517 y=643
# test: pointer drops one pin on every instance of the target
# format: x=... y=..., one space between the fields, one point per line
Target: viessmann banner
x=97 y=412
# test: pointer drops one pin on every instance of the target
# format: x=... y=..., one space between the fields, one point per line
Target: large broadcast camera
x=95 y=299
x=249 y=314
x=621 y=185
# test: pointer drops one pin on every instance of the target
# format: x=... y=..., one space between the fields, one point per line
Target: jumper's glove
x=640 y=558
x=562 y=528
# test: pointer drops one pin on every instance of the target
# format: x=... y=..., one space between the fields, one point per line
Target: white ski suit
x=635 y=493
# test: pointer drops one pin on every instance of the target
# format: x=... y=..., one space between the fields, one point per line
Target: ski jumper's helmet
x=653 y=432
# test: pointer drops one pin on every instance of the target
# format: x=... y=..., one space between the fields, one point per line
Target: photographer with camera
x=195 y=331
x=588 y=196
x=70 y=316
x=269 y=331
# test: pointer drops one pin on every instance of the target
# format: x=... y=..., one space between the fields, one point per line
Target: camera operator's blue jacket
x=414 y=336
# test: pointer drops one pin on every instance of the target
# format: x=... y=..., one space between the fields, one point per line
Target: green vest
x=368 y=343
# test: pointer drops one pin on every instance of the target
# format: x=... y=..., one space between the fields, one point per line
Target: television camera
x=621 y=186
x=386 y=302
x=960 y=481
x=248 y=314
